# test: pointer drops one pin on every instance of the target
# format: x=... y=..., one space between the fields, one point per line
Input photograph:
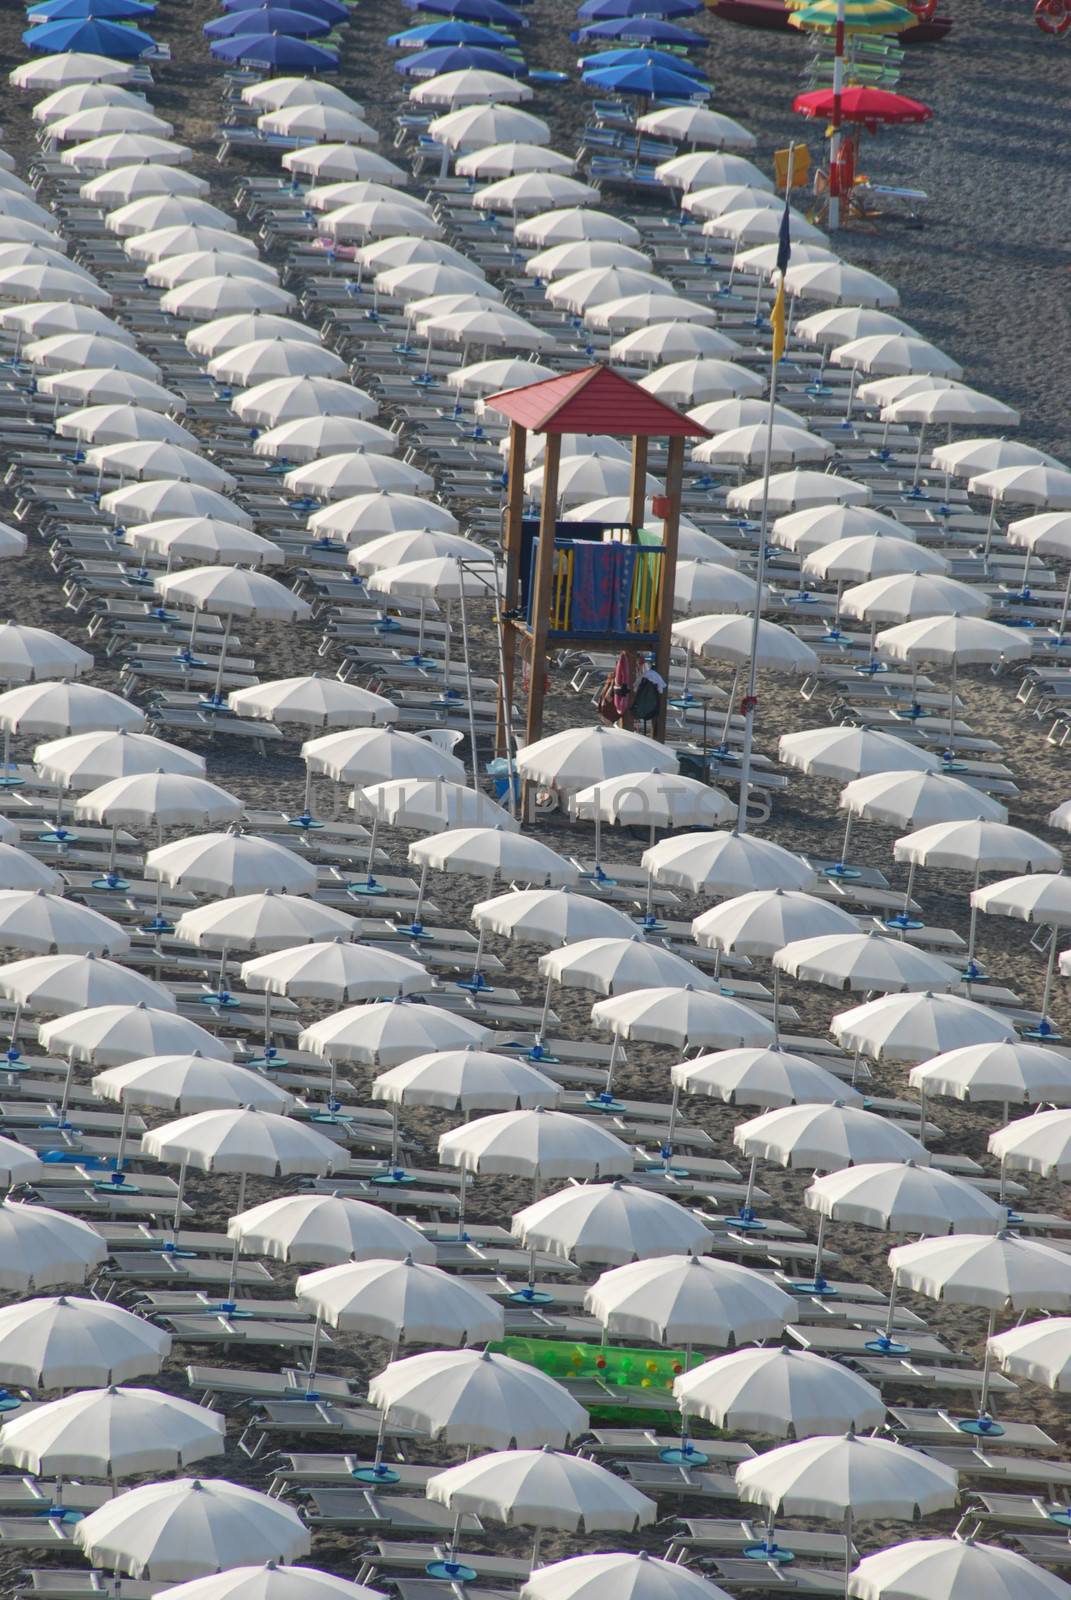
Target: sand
x=985 y=276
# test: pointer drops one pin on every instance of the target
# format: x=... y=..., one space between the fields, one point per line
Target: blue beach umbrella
x=456 y=58
x=652 y=30
x=431 y=34
x=275 y=50
x=649 y=79
x=605 y=59
x=600 y=10
x=100 y=10
x=86 y=33
x=296 y=23
x=330 y=10
x=470 y=11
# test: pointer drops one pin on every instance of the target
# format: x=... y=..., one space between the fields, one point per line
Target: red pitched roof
x=593 y=400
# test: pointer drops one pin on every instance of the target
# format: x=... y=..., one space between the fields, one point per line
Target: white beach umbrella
x=508 y=158
x=506 y=372
x=342 y=162
x=765 y=921
x=231 y=864
x=654 y=800
x=164 y=798
x=270 y=1581
x=761 y=1077
x=543 y=1489
x=56 y=985
x=262 y=922
x=355 y=472
x=180 y=238
x=961 y=407
x=382 y=1034
x=18 y=1163
x=868 y=557
x=721 y=415
x=156 y=458
x=327 y=1229
x=713 y=200
x=847 y=753
x=204 y=299
x=401 y=1301
x=848 y=1477
x=151 y=211
x=261 y=360
x=111 y=1035
x=1040 y=1143
x=967 y=458
x=246 y=1141
x=92 y=122
x=797 y=491
x=112 y=1433
x=1044 y=899
x=617 y=966
x=912 y=1027
x=810 y=530
x=749 y=446
x=495 y=853
x=902 y=1197
x=592 y=286
x=477 y=1398
x=416 y=280
x=696 y=125
x=204 y=539
x=318 y=124
x=865 y=962
x=727 y=638
x=909 y=596
x=42 y=1249
x=66 y=1341
x=119 y=149
x=146 y=502
x=188 y=1084
x=534 y=191
x=28 y=655
x=336 y=970
x=379 y=755
x=273 y=93
x=186 y=1527
x=1026 y=486
x=551 y=917
x=67 y=67
x=782 y=1393
x=86 y=760
x=1040 y=1352
x=952 y=1569
x=379 y=218
x=700 y=380
x=701 y=167
x=688 y=1300
x=841 y=323
x=50 y=282
x=1011 y=1073
x=18 y=870
x=996 y=1271
x=418 y=545
x=466 y=1080
x=44 y=924
x=918 y=799
x=55 y=709
x=75 y=350
x=895 y=354
x=470 y=86
x=826 y=1138
x=726 y=864
x=637 y=310
x=227 y=333
x=583 y=255
x=124 y=425
x=670 y=341
x=102 y=389
x=307 y=438
x=426 y=804
x=579 y=757
x=540 y=1144
x=487 y=325
x=313 y=702
x=360 y=518
x=610 y=1224
x=682 y=1017
x=963 y=641
x=476 y=126
x=13 y=543
x=837 y=283
x=121 y=185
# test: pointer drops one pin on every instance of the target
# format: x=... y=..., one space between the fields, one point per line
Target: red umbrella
x=868 y=107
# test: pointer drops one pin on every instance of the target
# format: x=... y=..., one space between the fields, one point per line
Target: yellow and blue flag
x=784 y=255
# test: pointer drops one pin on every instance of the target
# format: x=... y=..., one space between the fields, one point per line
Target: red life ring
x=1052 y=16
x=923 y=9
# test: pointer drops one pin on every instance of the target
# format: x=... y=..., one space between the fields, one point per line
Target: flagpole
x=750 y=701
x=835 y=136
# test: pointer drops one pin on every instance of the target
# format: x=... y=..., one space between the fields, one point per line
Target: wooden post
x=637 y=500
x=511 y=546
x=674 y=477
x=548 y=521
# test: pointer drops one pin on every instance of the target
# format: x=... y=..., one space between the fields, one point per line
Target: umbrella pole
x=541 y=1030
x=971 y=970
x=918 y=458
x=394 y=1131
x=314 y=1353
x=535 y=1548
x=1045 y=1027
x=851 y=394
x=68 y=1083
x=476 y=982
x=921 y=1135
x=306 y=804
x=989 y=527
x=747 y=1210
x=777 y=1005
x=12 y=1045
x=468 y=677
x=416 y=927
x=267 y=1024
x=124 y=1128
x=667 y=1147
x=729 y=712
x=232 y=1281
x=607 y=1093
x=984 y=1423
x=819 y=1280
x=177 y=1218
x=461 y=1198
x=848 y=1520
x=217 y=693
x=952 y=709
x=1060 y=632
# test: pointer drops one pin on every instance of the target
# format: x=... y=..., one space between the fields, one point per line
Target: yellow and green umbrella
x=860 y=16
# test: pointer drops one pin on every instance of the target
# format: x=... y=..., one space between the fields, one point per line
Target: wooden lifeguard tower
x=603 y=585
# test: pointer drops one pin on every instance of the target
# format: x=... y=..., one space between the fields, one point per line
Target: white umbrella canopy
x=826 y=1138
x=73 y=350
x=379 y=755
x=18 y=870
x=470 y=86
x=765 y=921
x=146 y=459
x=401 y=249
x=550 y=917
x=683 y=1017
x=837 y=283
x=86 y=760
x=314 y=702
x=697 y=125
x=902 y=1197
x=782 y=1393
x=713 y=200
x=610 y=1224
x=727 y=638
x=749 y=445
x=91 y=122
x=998 y=1271
x=65 y=1341
x=669 y=341
x=865 y=962
x=337 y=970
x=165 y=798
x=232 y=592
x=364 y=517
x=499 y=854
x=726 y=864
x=842 y=323
x=895 y=354
x=583 y=476
x=204 y=299
x=952 y=1569
x=871 y=556
x=383 y=1034
x=689 y=1300
x=655 y=800
x=1040 y=1352
x=701 y=167
x=247 y=1141
x=544 y=1489
x=1043 y=898
x=419 y=545
x=262 y=922
x=582 y=255
x=285 y=399
x=43 y=1249
x=846 y=753
x=543 y=1144
x=484 y=324
x=1026 y=486
x=1040 y=1143
x=435 y=578
x=342 y=162
x=120 y=185
x=968 y=457
x=205 y=539
x=43 y=924
x=271 y=1581
x=637 y=310
x=132 y=425
x=60 y=984
x=960 y=407
x=579 y=757
x=631 y=1577
x=120 y=149
x=13 y=543
x=376 y=218
x=721 y=415
x=418 y=280
x=807 y=531
x=215 y=338
x=68 y=67
x=466 y=1080
x=319 y=124
x=187 y=1527
x=913 y=1027
x=161 y=210
x=918 y=800
x=260 y=360
x=327 y=1230
x=49 y=282
x=533 y=192
x=401 y=1301
x=509 y=157
x=424 y=804
x=307 y=438
x=1012 y=1073
x=189 y=1084
x=180 y=238
x=18 y=1163
x=477 y=1398
x=111 y=1035
x=591 y=286
x=28 y=655
x=910 y=596
x=762 y=1077
x=101 y=388
x=504 y=372
x=274 y=93
x=145 y=502
x=797 y=491
x=54 y=709
x=751 y=225
x=231 y=864
x=703 y=379
x=617 y=966
x=842 y=1476
x=112 y=1433
x=474 y=127
x=965 y=641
